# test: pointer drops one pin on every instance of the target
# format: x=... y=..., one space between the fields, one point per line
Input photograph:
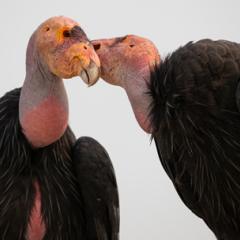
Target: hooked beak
x=91 y=74
x=89 y=60
x=85 y=62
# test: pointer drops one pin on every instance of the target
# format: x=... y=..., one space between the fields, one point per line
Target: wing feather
x=99 y=190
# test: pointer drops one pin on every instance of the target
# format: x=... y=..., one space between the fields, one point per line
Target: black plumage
x=195 y=115
x=76 y=179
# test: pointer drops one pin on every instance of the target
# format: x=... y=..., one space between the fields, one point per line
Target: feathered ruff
x=21 y=166
x=196 y=130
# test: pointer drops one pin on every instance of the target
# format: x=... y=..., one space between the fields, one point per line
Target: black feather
x=65 y=209
x=99 y=191
x=196 y=129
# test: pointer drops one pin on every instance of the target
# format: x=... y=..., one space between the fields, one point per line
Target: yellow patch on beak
x=59 y=35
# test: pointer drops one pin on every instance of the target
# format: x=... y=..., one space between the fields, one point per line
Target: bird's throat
x=138 y=94
x=43 y=108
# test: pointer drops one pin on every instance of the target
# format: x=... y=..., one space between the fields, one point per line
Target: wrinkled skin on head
x=127 y=62
x=126 y=57
x=57 y=49
x=65 y=49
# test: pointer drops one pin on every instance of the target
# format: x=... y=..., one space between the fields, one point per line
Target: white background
x=150 y=207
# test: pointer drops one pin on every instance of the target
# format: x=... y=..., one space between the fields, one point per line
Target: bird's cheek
x=110 y=71
x=62 y=66
x=112 y=63
x=70 y=62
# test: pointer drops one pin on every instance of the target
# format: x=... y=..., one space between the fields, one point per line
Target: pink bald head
x=58 y=49
x=123 y=57
x=127 y=62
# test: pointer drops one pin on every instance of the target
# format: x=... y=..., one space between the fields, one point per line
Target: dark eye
x=47 y=29
x=66 y=33
x=131 y=45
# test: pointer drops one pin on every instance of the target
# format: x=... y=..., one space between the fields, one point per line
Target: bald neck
x=136 y=87
x=43 y=105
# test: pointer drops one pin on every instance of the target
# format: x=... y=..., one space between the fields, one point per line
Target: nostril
x=97 y=46
x=85 y=47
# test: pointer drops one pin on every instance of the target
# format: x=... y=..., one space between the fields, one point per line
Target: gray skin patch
x=39 y=84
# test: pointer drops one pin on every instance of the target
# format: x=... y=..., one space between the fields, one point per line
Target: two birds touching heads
x=54 y=186
x=60 y=49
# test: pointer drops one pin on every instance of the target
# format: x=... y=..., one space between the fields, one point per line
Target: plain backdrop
x=150 y=207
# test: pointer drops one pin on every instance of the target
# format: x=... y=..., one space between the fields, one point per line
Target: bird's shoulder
x=205 y=63
x=90 y=155
x=200 y=74
x=11 y=135
x=97 y=180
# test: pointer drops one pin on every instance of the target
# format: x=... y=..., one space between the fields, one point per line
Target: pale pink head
x=63 y=47
x=123 y=57
x=127 y=62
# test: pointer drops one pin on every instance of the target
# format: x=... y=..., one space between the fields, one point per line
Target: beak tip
x=93 y=82
x=90 y=77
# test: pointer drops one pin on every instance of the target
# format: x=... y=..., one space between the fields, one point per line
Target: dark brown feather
x=196 y=129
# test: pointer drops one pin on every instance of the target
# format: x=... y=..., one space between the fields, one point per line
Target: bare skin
x=57 y=49
x=127 y=62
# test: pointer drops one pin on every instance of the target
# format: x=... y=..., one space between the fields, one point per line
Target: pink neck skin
x=136 y=87
x=36 y=227
x=43 y=105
